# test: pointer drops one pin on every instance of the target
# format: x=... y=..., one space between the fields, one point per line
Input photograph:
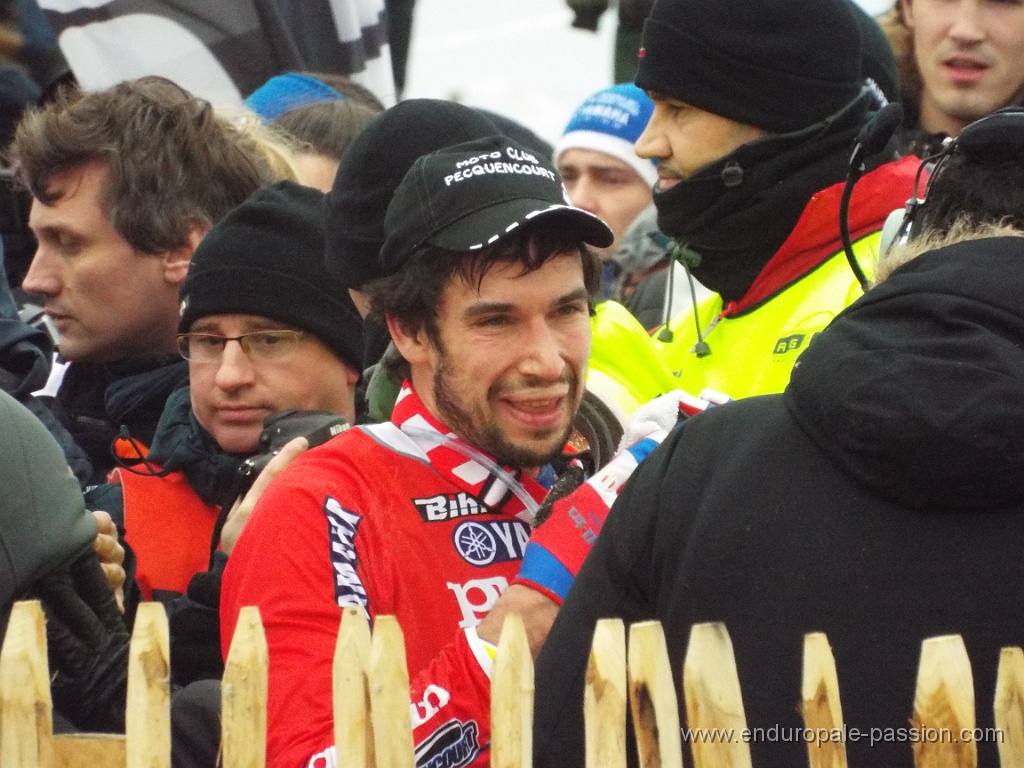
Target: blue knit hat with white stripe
x=611 y=121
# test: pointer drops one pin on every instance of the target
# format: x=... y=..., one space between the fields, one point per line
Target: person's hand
x=111 y=554
x=243 y=507
x=661 y=413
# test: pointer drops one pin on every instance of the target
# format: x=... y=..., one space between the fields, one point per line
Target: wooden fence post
x=353 y=729
x=1009 y=707
x=604 y=697
x=389 y=695
x=244 y=694
x=26 y=725
x=652 y=698
x=714 y=703
x=944 y=705
x=148 y=717
x=822 y=709
x=512 y=698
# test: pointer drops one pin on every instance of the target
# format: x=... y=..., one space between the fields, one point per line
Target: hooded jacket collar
x=181 y=445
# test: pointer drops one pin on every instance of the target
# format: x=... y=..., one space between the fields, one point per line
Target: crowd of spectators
x=317 y=353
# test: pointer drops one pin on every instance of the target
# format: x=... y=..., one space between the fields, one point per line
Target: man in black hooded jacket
x=878 y=500
x=45 y=538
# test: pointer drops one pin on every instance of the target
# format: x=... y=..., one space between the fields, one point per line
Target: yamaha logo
x=484 y=543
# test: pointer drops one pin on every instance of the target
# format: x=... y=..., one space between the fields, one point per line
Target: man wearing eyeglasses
x=265 y=329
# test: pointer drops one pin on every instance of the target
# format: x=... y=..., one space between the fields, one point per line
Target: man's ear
x=908 y=17
x=176 y=260
x=414 y=347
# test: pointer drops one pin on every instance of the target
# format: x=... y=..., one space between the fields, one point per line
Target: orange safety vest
x=168 y=527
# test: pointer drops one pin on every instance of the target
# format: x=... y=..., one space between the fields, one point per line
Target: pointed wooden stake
x=244 y=694
x=714 y=703
x=353 y=730
x=652 y=698
x=389 y=695
x=822 y=710
x=1009 y=707
x=944 y=705
x=26 y=726
x=604 y=698
x=148 y=717
x=512 y=698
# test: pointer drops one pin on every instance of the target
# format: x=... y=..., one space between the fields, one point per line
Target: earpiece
x=893 y=229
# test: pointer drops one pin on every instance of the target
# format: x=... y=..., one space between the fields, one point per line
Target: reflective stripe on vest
x=169 y=528
x=754 y=353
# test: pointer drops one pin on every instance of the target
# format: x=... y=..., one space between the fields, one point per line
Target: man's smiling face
x=507 y=370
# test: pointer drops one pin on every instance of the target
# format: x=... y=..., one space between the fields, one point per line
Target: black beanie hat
x=878 y=61
x=266 y=258
x=371 y=169
x=779 y=65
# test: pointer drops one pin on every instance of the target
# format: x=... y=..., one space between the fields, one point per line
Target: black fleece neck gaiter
x=737 y=212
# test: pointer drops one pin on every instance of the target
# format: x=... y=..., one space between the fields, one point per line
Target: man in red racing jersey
x=428 y=516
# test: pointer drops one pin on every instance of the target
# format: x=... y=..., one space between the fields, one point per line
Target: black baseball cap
x=470 y=195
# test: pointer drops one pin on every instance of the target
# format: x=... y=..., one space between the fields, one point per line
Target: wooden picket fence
x=373 y=730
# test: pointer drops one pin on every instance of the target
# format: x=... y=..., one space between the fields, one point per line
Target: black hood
x=26 y=356
x=917 y=389
x=738 y=211
x=43 y=520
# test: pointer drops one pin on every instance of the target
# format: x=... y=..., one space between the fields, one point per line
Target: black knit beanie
x=371 y=169
x=266 y=258
x=779 y=65
x=878 y=60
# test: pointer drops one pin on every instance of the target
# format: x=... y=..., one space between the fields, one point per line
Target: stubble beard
x=486 y=434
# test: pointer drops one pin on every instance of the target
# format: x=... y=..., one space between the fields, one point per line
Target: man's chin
x=237 y=441
x=534 y=450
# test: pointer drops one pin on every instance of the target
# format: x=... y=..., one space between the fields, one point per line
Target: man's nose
x=43 y=276
x=967 y=24
x=584 y=195
x=236 y=368
x=542 y=350
x=652 y=143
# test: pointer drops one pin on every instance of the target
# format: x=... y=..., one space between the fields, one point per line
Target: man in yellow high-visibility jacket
x=757 y=108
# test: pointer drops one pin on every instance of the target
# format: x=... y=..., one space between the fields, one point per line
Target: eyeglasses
x=266 y=346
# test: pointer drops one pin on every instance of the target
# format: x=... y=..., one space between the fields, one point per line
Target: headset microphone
x=873 y=139
x=874 y=136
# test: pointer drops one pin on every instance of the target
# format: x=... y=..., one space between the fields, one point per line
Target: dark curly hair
x=411 y=295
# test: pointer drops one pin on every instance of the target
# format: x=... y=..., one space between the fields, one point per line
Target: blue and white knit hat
x=611 y=121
